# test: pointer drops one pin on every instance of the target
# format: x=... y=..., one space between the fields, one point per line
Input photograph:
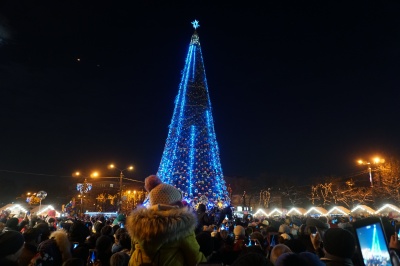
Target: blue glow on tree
x=190 y=160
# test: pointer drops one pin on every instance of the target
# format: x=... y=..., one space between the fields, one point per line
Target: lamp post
x=121 y=176
x=84 y=187
x=375 y=160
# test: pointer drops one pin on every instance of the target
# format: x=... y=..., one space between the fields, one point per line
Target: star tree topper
x=195 y=24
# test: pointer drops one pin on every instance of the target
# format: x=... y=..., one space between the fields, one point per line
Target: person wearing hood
x=164 y=232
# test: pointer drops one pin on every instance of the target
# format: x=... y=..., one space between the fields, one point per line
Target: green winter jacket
x=164 y=235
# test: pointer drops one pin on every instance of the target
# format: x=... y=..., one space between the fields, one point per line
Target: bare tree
x=387 y=176
x=265 y=197
x=293 y=194
x=321 y=194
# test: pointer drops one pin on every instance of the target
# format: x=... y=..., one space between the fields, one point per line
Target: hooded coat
x=164 y=235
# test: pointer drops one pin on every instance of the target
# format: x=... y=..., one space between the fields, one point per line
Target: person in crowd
x=98 y=225
x=117 y=246
x=119 y=220
x=107 y=231
x=339 y=246
x=12 y=224
x=103 y=248
x=205 y=240
x=202 y=218
x=44 y=229
x=77 y=234
x=74 y=262
x=52 y=224
x=119 y=259
x=277 y=251
x=223 y=247
x=126 y=243
x=32 y=237
x=11 y=244
x=300 y=259
x=53 y=251
x=164 y=232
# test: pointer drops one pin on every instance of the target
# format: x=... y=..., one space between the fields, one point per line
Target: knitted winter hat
x=164 y=194
x=10 y=242
x=339 y=242
x=239 y=230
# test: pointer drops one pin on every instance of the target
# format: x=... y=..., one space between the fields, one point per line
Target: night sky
x=299 y=89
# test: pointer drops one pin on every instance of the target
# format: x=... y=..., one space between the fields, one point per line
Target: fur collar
x=160 y=224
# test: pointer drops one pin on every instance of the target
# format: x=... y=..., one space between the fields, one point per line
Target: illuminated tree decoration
x=84 y=187
x=190 y=160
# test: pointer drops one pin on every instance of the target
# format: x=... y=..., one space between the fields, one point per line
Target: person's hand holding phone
x=394 y=242
x=316 y=240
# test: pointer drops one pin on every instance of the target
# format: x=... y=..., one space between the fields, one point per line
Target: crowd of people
x=169 y=232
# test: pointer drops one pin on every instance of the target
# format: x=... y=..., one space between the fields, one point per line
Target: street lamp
x=84 y=187
x=375 y=160
x=121 y=176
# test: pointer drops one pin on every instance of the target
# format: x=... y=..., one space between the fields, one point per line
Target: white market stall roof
x=360 y=209
x=260 y=212
x=296 y=211
x=276 y=212
x=339 y=210
x=44 y=209
x=14 y=208
x=387 y=208
x=316 y=210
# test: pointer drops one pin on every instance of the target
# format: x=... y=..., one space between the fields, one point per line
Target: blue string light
x=190 y=160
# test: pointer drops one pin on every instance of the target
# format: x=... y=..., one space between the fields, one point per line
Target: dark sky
x=299 y=89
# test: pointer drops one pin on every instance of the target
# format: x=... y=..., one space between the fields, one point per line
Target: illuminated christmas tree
x=190 y=160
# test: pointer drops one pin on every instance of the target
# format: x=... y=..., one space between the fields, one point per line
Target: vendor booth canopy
x=316 y=211
x=276 y=212
x=362 y=210
x=339 y=210
x=46 y=210
x=388 y=209
x=296 y=211
x=14 y=208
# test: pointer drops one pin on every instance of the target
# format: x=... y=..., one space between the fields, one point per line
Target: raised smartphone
x=371 y=240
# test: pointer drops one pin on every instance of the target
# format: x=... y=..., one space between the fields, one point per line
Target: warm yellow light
x=28 y=193
x=134 y=192
x=360 y=161
x=129 y=192
x=94 y=174
x=111 y=166
x=377 y=160
x=130 y=167
x=77 y=173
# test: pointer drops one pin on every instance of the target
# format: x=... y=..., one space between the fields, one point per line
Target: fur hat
x=339 y=242
x=239 y=230
x=164 y=194
x=10 y=243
